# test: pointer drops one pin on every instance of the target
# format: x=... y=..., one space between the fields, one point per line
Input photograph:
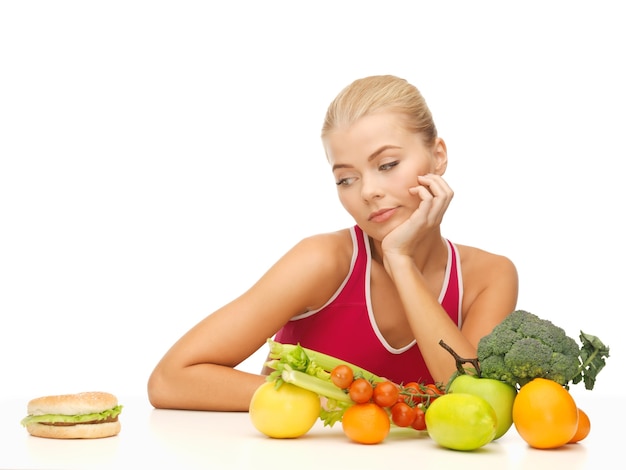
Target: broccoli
x=523 y=347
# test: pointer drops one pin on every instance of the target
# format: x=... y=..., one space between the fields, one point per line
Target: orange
x=545 y=414
x=584 y=426
x=366 y=423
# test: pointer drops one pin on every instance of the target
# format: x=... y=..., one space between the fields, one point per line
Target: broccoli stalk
x=523 y=347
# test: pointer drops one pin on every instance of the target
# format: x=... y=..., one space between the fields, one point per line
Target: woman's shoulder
x=327 y=258
x=480 y=256
x=490 y=285
x=328 y=247
x=480 y=263
x=322 y=255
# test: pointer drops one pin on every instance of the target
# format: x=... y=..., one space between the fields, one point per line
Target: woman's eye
x=388 y=166
x=344 y=181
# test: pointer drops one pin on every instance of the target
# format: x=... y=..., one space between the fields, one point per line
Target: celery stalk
x=279 y=351
x=311 y=370
x=320 y=386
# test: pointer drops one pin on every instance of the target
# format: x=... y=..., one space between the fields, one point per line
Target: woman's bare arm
x=198 y=372
x=493 y=295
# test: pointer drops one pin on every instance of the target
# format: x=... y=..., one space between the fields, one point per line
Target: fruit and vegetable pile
x=520 y=378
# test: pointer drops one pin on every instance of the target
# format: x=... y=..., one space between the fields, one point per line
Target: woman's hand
x=435 y=196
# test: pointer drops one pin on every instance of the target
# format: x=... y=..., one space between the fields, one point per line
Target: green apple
x=500 y=396
x=461 y=421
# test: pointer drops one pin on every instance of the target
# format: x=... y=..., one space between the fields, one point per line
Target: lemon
x=287 y=412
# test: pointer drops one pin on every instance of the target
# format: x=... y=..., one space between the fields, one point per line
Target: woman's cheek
x=346 y=201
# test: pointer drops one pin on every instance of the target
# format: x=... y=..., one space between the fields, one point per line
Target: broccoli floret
x=515 y=319
x=500 y=344
x=528 y=358
x=523 y=347
x=563 y=368
x=493 y=367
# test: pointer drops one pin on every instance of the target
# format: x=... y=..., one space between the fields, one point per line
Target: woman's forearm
x=428 y=320
x=207 y=387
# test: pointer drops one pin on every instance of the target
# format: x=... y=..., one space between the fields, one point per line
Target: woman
x=380 y=294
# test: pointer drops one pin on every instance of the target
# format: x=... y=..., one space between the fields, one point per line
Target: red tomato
x=342 y=376
x=410 y=389
x=419 y=422
x=436 y=390
x=361 y=390
x=433 y=391
x=402 y=414
x=386 y=393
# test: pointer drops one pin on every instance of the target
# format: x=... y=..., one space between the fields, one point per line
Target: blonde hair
x=377 y=93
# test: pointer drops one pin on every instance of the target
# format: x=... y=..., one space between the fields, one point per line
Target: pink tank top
x=345 y=326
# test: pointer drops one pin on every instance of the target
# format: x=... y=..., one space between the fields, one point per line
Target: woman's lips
x=381 y=215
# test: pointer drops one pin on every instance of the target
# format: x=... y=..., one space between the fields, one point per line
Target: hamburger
x=86 y=415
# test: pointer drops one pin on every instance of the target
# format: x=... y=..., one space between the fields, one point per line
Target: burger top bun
x=53 y=416
x=72 y=404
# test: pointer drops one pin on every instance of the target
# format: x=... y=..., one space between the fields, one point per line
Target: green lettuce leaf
x=74 y=419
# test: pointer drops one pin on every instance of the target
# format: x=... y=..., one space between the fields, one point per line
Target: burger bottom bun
x=76 y=431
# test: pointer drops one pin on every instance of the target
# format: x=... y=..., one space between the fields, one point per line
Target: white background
x=157 y=157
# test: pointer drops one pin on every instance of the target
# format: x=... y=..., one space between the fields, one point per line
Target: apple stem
x=461 y=360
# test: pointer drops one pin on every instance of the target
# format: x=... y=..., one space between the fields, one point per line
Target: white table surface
x=153 y=438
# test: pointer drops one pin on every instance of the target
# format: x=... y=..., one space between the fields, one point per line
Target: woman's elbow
x=158 y=389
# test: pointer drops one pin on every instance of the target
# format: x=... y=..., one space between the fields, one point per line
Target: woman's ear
x=440 y=155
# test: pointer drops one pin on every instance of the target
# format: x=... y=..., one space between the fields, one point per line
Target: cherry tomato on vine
x=408 y=390
x=386 y=393
x=342 y=376
x=412 y=387
x=433 y=391
x=419 y=422
x=361 y=390
x=402 y=414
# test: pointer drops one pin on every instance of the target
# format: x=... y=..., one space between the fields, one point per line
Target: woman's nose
x=370 y=189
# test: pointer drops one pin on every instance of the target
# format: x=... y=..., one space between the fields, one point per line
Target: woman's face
x=375 y=161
